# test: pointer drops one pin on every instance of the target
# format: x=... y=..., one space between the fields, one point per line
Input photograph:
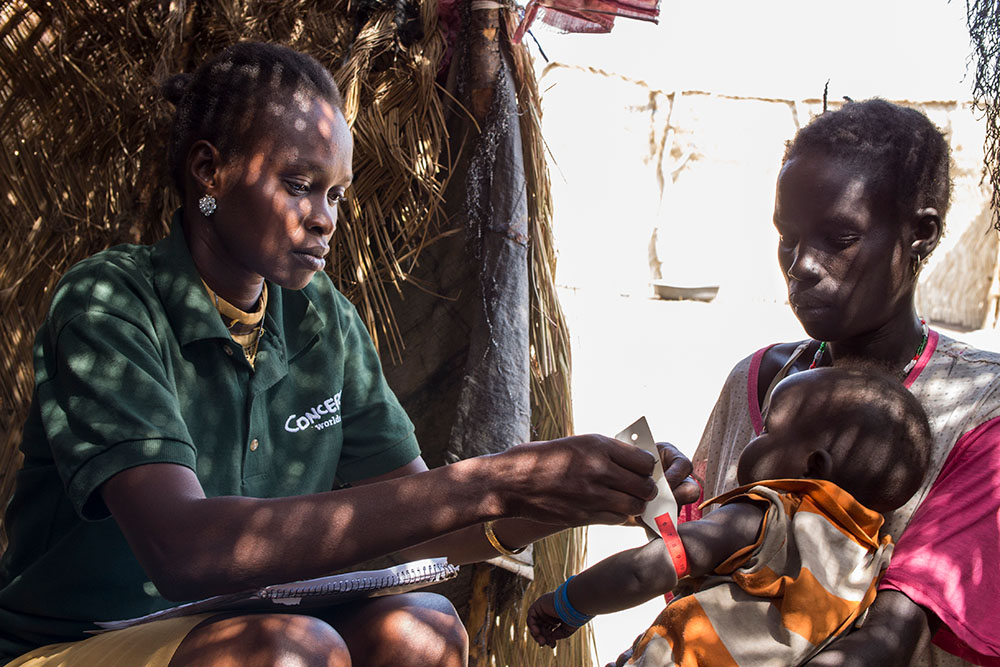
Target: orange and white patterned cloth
x=810 y=576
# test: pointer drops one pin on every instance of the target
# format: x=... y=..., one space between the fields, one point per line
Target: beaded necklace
x=906 y=369
x=245 y=328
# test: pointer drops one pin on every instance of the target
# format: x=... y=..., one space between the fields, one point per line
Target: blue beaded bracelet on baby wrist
x=566 y=612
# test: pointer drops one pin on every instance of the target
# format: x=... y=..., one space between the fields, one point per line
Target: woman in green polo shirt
x=195 y=399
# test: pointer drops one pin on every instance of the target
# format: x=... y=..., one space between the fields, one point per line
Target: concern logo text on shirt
x=320 y=416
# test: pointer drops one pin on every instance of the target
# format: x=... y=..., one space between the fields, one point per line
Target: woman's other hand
x=574 y=481
x=677 y=469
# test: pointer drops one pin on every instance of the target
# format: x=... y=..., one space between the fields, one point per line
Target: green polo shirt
x=133 y=365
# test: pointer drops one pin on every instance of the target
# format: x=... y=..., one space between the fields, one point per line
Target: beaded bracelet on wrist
x=567 y=613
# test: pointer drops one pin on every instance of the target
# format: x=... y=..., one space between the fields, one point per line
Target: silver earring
x=206 y=205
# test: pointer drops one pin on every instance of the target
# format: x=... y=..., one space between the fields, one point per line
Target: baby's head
x=856 y=427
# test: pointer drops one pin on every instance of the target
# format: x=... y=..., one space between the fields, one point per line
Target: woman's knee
x=263 y=639
x=419 y=629
x=434 y=632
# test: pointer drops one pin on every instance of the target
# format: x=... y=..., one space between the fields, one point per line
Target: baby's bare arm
x=710 y=541
x=632 y=577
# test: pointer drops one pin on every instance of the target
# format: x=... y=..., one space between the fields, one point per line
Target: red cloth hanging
x=597 y=16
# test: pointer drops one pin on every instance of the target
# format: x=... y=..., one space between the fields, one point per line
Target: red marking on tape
x=674 y=545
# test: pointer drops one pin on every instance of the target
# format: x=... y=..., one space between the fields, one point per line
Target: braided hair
x=904 y=155
x=233 y=96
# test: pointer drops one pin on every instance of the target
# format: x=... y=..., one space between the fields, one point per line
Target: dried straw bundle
x=77 y=162
x=983 y=18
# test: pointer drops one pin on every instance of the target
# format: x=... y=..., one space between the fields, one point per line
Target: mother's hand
x=575 y=481
x=677 y=469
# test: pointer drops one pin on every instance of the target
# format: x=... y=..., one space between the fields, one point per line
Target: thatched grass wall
x=82 y=168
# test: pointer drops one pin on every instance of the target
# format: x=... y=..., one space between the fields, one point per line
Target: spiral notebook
x=324 y=591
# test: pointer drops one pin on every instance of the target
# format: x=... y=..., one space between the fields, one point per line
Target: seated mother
x=860 y=204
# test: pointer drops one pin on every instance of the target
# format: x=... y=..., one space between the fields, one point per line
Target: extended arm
x=470 y=545
x=632 y=577
x=193 y=546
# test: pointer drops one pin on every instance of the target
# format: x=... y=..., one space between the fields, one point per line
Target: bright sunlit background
x=665 y=142
x=899 y=49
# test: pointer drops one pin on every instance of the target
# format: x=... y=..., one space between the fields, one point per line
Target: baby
x=787 y=562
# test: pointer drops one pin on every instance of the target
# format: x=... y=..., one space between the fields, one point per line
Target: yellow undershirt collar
x=245 y=328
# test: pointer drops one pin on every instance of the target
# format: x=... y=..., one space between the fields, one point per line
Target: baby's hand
x=544 y=624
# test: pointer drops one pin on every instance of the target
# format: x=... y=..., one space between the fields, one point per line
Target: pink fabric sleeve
x=948 y=558
x=756 y=419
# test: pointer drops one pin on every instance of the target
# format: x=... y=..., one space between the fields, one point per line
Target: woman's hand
x=544 y=624
x=677 y=469
x=574 y=481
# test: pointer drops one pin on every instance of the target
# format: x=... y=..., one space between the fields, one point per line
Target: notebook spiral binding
x=429 y=573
